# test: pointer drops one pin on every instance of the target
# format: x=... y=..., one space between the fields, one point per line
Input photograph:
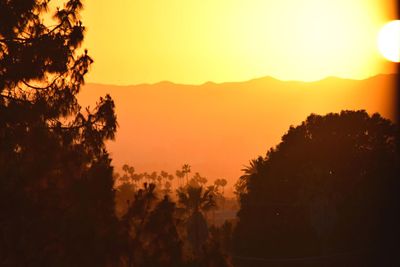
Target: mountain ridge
x=166 y=82
x=218 y=128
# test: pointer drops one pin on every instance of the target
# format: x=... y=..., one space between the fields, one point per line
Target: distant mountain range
x=218 y=128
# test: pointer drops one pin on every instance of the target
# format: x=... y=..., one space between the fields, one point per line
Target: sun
x=389 y=41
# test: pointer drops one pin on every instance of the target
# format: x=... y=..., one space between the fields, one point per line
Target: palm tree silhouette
x=183 y=172
x=186 y=171
x=180 y=176
x=195 y=199
x=196 y=202
x=254 y=167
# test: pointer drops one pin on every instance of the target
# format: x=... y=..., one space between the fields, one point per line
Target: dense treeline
x=129 y=182
x=159 y=231
x=327 y=195
x=167 y=227
x=331 y=187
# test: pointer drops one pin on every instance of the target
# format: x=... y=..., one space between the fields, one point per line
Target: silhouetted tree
x=186 y=171
x=221 y=182
x=219 y=245
x=123 y=196
x=134 y=221
x=223 y=235
x=219 y=196
x=128 y=174
x=252 y=169
x=151 y=228
x=195 y=202
x=331 y=186
x=180 y=175
x=164 y=244
x=56 y=186
x=197 y=180
x=195 y=198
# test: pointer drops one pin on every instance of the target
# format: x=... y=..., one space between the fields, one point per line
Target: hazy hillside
x=218 y=128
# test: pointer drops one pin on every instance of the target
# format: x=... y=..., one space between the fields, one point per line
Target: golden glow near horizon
x=389 y=41
x=190 y=41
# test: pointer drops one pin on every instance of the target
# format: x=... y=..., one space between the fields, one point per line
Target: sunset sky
x=191 y=41
x=217 y=129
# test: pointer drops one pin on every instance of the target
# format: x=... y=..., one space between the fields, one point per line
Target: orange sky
x=191 y=41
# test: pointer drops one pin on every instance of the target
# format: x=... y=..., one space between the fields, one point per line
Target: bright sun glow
x=191 y=41
x=389 y=41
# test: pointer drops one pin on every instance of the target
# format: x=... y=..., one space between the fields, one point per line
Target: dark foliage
x=56 y=195
x=150 y=228
x=159 y=232
x=331 y=187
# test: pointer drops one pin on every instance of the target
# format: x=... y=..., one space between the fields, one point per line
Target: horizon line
x=243 y=81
